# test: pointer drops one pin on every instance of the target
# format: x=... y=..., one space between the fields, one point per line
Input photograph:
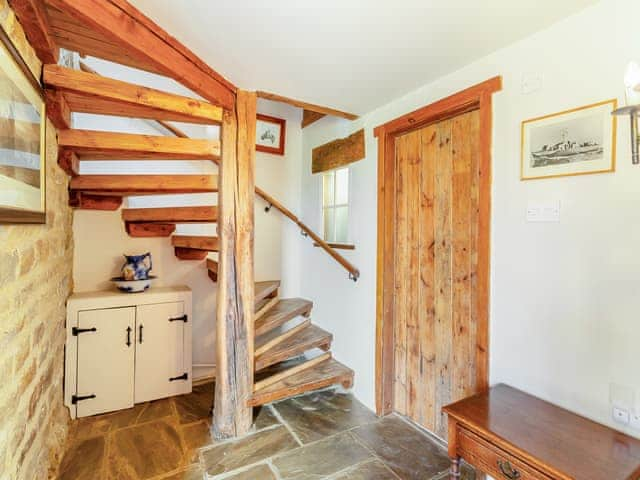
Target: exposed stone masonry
x=35 y=281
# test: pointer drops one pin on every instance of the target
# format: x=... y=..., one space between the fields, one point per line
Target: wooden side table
x=511 y=435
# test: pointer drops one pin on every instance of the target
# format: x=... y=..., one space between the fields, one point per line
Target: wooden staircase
x=291 y=354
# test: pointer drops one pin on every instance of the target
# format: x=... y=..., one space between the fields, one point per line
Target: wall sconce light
x=632 y=93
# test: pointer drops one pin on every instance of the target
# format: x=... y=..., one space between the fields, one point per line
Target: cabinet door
x=105 y=360
x=160 y=367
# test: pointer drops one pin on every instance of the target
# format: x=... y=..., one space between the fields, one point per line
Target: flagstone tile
x=245 y=451
x=410 y=453
x=321 y=459
x=318 y=415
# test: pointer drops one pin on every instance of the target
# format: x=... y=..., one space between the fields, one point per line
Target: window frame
x=334 y=206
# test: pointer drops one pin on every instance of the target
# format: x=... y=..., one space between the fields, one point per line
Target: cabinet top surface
x=130 y=298
x=550 y=437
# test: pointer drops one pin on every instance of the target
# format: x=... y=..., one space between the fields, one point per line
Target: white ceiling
x=354 y=55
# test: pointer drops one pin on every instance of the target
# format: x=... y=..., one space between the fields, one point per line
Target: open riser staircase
x=283 y=331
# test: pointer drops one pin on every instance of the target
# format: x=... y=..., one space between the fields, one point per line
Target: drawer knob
x=508 y=471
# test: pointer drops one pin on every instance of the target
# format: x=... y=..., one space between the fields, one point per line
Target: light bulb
x=632 y=76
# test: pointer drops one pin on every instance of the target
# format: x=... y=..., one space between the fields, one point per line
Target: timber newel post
x=235 y=308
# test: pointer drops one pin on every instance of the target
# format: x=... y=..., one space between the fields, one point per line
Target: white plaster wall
x=101 y=240
x=565 y=297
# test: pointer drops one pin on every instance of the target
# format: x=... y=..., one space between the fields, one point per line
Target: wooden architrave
x=33 y=17
x=235 y=302
x=477 y=97
x=309 y=117
x=140 y=37
x=338 y=153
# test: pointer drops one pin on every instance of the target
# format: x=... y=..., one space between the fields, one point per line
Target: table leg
x=454 y=473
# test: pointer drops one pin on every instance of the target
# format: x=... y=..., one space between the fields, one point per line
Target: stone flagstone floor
x=322 y=435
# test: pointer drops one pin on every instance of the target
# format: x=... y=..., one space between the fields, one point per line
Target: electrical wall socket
x=621 y=415
x=634 y=421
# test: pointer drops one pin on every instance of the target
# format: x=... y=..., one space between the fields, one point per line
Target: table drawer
x=492 y=460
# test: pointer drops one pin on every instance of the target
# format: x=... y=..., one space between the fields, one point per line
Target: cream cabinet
x=124 y=349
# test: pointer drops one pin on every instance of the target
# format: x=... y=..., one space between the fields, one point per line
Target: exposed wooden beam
x=196 y=242
x=235 y=303
x=85 y=201
x=202 y=214
x=92 y=93
x=190 y=253
x=338 y=152
x=309 y=117
x=141 y=38
x=95 y=145
x=58 y=110
x=146 y=230
x=33 y=17
x=307 y=106
x=69 y=162
x=125 y=185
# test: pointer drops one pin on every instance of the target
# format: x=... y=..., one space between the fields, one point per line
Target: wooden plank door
x=105 y=360
x=436 y=258
x=160 y=352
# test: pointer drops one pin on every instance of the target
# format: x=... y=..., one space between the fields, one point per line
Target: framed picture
x=22 y=139
x=574 y=142
x=270 y=134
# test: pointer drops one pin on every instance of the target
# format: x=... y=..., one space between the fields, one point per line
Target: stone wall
x=35 y=281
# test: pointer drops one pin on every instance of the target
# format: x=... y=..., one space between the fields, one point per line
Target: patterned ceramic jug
x=137 y=267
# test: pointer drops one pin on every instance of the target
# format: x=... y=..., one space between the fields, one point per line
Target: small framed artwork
x=270 y=134
x=22 y=139
x=580 y=141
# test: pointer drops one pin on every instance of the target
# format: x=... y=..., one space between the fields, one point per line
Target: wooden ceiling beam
x=141 y=38
x=309 y=117
x=33 y=18
x=318 y=109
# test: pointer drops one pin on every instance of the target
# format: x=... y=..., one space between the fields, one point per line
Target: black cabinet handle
x=75 y=398
x=140 y=333
x=184 y=376
x=75 y=331
x=182 y=318
x=128 y=336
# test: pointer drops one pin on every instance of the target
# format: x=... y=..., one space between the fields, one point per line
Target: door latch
x=75 y=398
x=75 y=331
x=183 y=318
x=184 y=376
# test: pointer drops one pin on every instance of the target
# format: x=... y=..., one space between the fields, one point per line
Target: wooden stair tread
x=264 y=289
x=203 y=214
x=282 y=312
x=96 y=145
x=308 y=338
x=126 y=185
x=324 y=374
x=196 y=242
x=91 y=93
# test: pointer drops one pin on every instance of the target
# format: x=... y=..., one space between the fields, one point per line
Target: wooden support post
x=234 y=326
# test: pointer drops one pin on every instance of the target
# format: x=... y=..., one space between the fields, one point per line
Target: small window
x=335 y=205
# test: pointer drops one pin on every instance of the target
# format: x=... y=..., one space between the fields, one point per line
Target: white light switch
x=543 y=212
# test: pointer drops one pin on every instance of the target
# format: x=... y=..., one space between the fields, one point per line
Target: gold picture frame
x=22 y=139
x=579 y=141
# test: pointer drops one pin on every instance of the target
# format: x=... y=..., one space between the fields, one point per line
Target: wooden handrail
x=354 y=273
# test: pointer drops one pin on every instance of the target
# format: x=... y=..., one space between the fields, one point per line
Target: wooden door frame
x=477 y=97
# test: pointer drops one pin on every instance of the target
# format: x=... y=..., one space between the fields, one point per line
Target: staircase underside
x=291 y=354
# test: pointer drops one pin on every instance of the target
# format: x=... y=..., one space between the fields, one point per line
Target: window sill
x=338 y=246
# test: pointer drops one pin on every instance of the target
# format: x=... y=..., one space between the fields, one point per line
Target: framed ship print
x=580 y=141
x=22 y=139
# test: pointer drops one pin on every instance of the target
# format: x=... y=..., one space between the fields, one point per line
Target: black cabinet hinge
x=75 y=398
x=183 y=318
x=75 y=331
x=184 y=376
